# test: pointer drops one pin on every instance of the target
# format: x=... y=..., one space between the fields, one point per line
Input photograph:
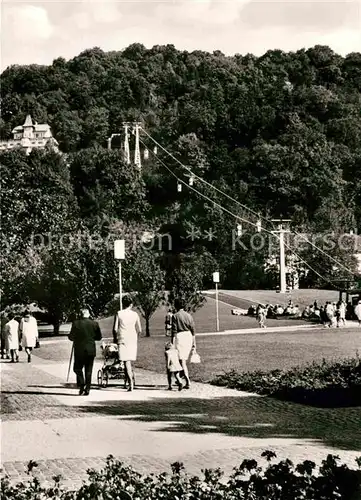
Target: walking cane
x=71 y=358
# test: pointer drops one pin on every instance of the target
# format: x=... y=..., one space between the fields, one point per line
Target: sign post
x=119 y=255
x=216 y=281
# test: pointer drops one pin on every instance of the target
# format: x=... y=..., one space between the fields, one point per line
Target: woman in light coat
x=29 y=333
x=358 y=312
x=12 y=337
x=126 y=330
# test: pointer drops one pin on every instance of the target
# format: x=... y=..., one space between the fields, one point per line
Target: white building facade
x=30 y=135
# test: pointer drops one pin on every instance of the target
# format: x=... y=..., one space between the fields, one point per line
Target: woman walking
x=183 y=336
x=12 y=337
x=126 y=330
x=28 y=333
x=358 y=312
x=261 y=314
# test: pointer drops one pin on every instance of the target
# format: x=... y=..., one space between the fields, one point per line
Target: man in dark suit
x=84 y=332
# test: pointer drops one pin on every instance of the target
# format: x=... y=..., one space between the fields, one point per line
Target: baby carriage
x=112 y=367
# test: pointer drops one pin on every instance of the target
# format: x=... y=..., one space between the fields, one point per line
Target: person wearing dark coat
x=84 y=332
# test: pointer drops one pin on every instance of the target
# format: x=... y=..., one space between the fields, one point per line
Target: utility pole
x=126 y=126
x=137 y=159
x=281 y=232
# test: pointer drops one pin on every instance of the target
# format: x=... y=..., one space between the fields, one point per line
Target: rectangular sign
x=216 y=277
x=119 y=249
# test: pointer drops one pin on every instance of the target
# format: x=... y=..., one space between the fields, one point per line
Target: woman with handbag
x=29 y=333
x=127 y=328
x=183 y=336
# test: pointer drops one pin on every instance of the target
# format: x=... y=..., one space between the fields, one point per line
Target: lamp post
x=119 y=255
x=216 y=281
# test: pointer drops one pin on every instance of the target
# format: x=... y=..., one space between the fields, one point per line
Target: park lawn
x=257 y=351
x=302 y=297
x=205 y=319
x=243 y=352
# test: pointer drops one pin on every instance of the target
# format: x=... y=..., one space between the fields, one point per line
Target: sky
x=40 y=31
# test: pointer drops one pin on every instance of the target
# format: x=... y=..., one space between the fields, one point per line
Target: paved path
x=45 y=420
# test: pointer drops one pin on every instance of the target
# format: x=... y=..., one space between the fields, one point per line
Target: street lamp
x=119 y=255
x=216 y=281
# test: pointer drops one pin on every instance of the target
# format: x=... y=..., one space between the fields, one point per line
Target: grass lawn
x=205 y=319
x=301 y=298
x=255 y=351
x=245 y=352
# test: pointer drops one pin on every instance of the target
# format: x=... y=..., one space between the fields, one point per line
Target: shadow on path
x=257 y=417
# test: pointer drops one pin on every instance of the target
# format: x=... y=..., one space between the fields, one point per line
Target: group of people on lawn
x=85 y=332
x=332 y=314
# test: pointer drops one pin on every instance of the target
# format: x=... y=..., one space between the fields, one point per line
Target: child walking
x=173 y=365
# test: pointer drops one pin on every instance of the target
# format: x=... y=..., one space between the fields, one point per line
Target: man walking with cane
x=84 y=332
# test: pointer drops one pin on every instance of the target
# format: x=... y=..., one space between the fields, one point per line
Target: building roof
x=28 y=121
x=41 y=127
x=37 y=127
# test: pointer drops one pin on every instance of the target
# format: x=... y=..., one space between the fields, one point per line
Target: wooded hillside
x=279 y=133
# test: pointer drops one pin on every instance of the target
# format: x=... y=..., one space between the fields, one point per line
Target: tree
x=56 y=283
x=38 y=207
x=95 y=127
x=145 y=277
x=105 y=186
x=186 y=282
x=279 y=133
x=67 y=127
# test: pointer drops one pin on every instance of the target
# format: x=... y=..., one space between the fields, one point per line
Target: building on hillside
x=29 y=136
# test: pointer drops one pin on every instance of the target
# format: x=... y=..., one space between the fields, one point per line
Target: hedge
x=249 y=481
x=329 y=383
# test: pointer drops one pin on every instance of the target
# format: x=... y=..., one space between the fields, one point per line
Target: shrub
x=249 y=481
x=325 y=383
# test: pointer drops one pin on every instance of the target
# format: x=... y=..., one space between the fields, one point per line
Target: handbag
x=37 y=344
x=195 y=357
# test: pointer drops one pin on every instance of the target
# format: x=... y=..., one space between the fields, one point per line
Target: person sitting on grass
x=306 y=313
x=279 y=310
x=173 y=365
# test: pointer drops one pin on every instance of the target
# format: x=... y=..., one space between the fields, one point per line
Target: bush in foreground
x=249 y=481
x=328 y=383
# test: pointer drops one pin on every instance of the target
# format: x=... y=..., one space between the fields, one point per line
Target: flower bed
x=329 y=383
x=249 y=481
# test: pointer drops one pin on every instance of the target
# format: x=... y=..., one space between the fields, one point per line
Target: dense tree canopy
x=280 y=133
